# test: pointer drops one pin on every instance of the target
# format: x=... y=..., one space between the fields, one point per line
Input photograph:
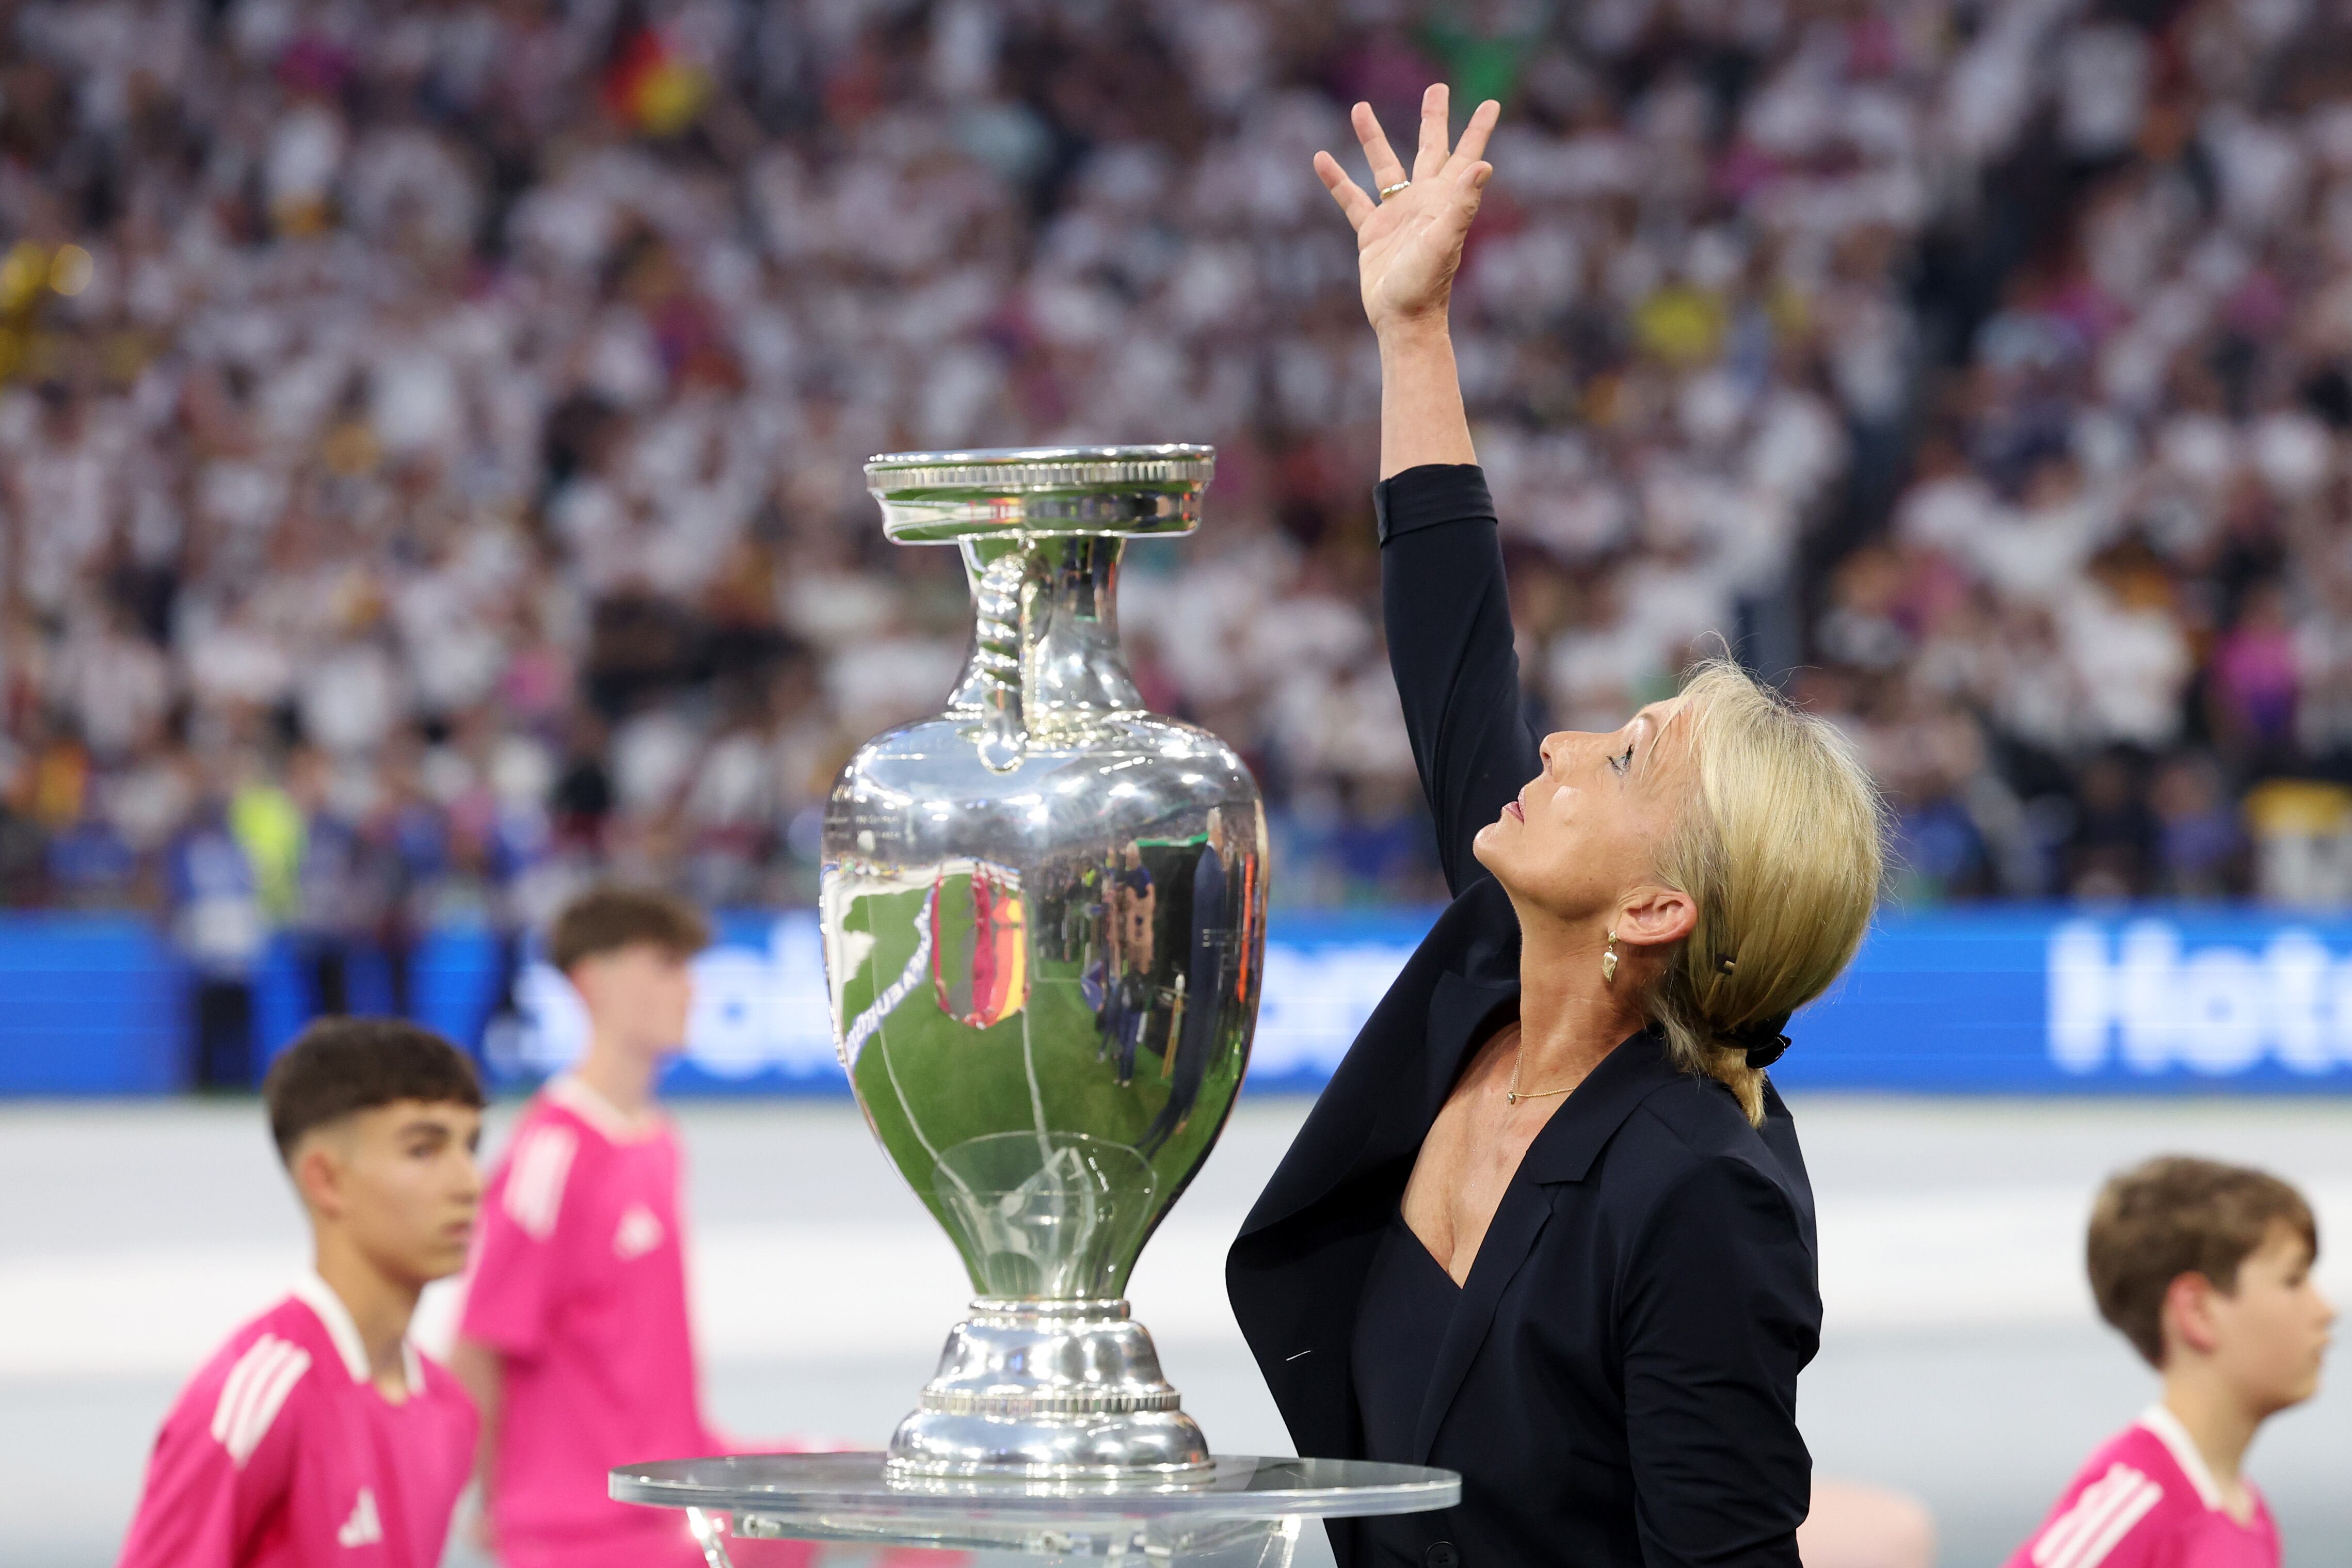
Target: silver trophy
x=1044 y=915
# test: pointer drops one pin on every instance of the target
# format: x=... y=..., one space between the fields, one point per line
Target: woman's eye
x=1622 y=760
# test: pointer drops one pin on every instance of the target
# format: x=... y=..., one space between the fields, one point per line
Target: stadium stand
x=430 y=437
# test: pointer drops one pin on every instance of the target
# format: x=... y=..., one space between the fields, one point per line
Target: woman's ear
x=1651 y=917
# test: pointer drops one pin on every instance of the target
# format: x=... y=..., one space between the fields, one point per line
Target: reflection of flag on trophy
x=980 y=953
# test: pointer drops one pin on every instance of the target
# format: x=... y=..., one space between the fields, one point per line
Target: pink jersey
x=2147 y=1501
x=578 y=1280
x=283 y=1452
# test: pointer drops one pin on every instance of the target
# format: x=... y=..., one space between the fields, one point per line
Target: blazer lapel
x=1510 y=1236
x=1368 y=1116
x=1331 y=1155
x=1462 y=1013
x=1563 y=1152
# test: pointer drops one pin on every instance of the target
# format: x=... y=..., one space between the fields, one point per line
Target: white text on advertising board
x=2141 y=998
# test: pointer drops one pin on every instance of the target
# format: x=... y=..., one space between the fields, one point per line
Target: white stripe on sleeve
x=2071 y=1536
x=562 y=1144
x=254 y=1390
x=265 y=1367
x=534 y=1194
x=233 y=1388
x=2090 y=1506
x=267 y=1404
x=2130 y=1512
x=515 y=1199
x=530 y=1197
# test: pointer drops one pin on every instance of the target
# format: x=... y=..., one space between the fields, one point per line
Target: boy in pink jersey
x=318 y=1434
x=2206 y=1268
x=575 y=1339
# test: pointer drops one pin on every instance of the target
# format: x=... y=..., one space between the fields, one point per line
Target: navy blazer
x=1619 y=1382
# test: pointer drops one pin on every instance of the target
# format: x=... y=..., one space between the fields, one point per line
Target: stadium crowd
x=430 y=437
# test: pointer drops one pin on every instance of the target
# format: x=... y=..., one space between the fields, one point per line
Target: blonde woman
x=1549 y=1226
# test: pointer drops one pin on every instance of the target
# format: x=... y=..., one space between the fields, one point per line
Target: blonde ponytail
x=1780 y=847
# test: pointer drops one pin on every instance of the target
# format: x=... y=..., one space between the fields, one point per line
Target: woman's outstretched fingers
x=1430 y=156
x=1386 y=170
x=1345 y=190
x=1472 y=146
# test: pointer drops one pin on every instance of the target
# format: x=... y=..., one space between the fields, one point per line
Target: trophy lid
x=931 y=498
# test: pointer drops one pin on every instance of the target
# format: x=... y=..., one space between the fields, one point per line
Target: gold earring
x=1608 y=960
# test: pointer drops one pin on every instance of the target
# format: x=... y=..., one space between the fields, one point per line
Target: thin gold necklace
x=1516 y=1094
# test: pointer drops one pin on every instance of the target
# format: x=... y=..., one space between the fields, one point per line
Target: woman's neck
x=1571 y=1018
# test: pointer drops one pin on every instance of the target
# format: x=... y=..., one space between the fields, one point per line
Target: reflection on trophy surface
x=1044 y=920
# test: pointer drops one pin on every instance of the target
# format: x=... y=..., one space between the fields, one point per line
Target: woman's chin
x=1533 y=885
x=1491 y=849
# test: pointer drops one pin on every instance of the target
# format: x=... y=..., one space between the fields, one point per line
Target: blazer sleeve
x=1721 y=1313
x=1448 y=619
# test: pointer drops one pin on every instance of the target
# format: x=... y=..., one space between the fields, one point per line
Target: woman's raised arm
x=1442 y=598
x=1408 y=247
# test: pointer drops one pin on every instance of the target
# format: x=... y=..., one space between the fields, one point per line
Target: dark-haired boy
x=575 y=1337
x=318 y=1434
x=2206 y=1268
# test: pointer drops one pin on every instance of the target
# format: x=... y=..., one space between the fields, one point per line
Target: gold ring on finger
x=1388 y=191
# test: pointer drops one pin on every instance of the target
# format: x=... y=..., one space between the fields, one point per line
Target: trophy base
x=1050 y=1391
x=1246 y=1514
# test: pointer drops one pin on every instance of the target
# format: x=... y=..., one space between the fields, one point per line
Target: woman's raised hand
x=1408 y=243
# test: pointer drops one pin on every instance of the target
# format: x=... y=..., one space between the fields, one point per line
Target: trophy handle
x=1002 y=591
x=1000 y=597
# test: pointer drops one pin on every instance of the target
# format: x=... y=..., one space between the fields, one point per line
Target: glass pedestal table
x=1247 y=1513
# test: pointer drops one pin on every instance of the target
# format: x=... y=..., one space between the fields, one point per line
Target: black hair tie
x=1766 y=1040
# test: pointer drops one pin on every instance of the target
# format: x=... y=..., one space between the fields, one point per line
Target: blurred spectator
x=2110 y=854
x=2254 y=677
x=2303 y=836
x=216 y=922
x=329 y=918
x=2200 y=846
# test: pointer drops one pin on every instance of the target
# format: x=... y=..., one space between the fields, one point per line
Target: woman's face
x=1585 y=832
